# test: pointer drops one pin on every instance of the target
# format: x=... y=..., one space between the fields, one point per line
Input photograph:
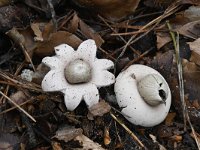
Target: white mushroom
x=143 y=94
x=77 y=74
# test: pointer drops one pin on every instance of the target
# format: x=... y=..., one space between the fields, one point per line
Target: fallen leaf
x=67 y=133
x=192 y=13
x=195 y=48
x=24 y=38
x=170 y=118
x=99 y=109
x=193 y=2
x=8 y=141
x=161 y=147
x=191 y=29
x=47 y=47
x=162 y=39
x=87 y=144
x=90 y=33
x=56 y=145
x=36 y=29
x=74 y=23
x=111 y=9
x=19 y=97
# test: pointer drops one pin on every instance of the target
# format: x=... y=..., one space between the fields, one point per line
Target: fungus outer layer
x=134 y=108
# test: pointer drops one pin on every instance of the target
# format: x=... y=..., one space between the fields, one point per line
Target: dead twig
x=128 y=130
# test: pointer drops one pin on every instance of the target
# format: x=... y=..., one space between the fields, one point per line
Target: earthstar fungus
x=77 y=74
x=143 y=94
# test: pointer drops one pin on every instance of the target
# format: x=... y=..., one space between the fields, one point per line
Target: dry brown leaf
x=191 y=29
x=87 y=143
x=24 y=38
x=74 y=23
x=161 y=147
x=68 y=133
x=8 y=141
x=36 y=29
x=192 y=87
x=162 y=39
x=90 y=33
x=193 y=2
x=195 y=48
x=42 y=30
x=47 y=47
x=170 y=118
x=112 y=9
x=56 y=145
x=98 y=109
x=192 y=13
x=19 y=97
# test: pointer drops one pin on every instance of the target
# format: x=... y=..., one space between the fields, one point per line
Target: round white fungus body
x=134 y=108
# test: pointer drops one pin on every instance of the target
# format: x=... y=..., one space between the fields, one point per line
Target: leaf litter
x=120 y=37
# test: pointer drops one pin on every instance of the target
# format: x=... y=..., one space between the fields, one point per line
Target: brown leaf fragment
x=195 y=48
x=61 y=37
x=14 y=16
x=87 y=143
x=162 y=39
x=99 y=109
x=8 y=141
x=24 y=38
x=5 y=2
x=191 y=29
x=74 y=23
x=111 y=9
x=90 y=33
x=193 y=2
x=19 y=97
x=192 y=13
x=43 y=30
x=56 y=145
x=107 y=138
x=67 y=133
x=161 y=147
x=170 y=118
x=36 y=29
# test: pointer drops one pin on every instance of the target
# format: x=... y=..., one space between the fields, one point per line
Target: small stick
x=26 y=113
x=128 y=130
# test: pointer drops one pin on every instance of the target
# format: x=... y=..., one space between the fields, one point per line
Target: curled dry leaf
x=8 y=141
x=98 y=109
x=90 y=33
x=192 y=13
x=13 y=16
x=161 y=147
x=170 y=118
x=191 y=29
x=47 y=47
x=19 y=97
x=68 y=133
x=87 y=143
x=195 y=48
x=162 y=39
x=111 y=9
x=24 y=38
